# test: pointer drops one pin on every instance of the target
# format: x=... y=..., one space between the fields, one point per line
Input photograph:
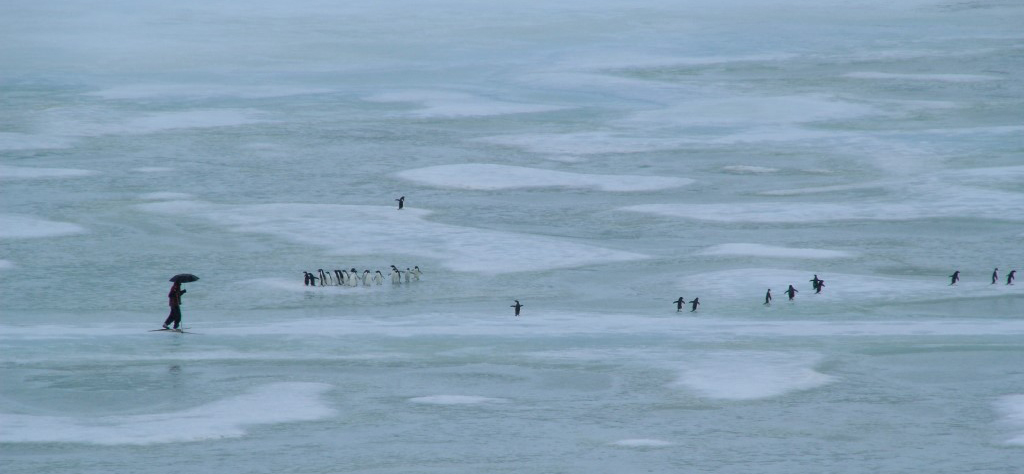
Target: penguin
x=305 y=278
x=338 y=274
x=1010 y=276
x=679 y=303
x=401 y=202
x=791 y=292
x=396 y=276
x=312 y=280
x=814 y=282
x=821 y=284
x=768 y=297
x=955 y=277
x=353 y=278
x=378 y=278
x=366 y=277
x=323 y=277
x=995 y=275
x=344 y=278
x=416 y=273
x=695 y=302
x=407 y=274
x=517 y=306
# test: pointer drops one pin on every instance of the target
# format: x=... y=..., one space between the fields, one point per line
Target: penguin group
x=955 y=277
x=816 y=283
x=353 y=277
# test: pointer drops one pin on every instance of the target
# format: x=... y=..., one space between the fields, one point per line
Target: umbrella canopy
x=184 y=278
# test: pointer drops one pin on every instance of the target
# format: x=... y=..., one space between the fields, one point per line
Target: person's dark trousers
x=174 y=317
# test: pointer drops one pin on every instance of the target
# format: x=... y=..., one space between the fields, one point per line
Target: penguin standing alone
x=768 y=297
x=517 y=306
x=401 y=202
x=955 y=277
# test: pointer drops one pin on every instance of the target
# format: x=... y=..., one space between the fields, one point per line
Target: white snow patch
x=25 y=141
x=457 y=248
x=457 y=104
x=165 y=196
x=1012 y=407
x=227 y=418
x=22 y=172
x=754 y=111
x=585 y=143
x=760 y=250
x=746 y=375
x=455 y=400
x=147 y=91
x=913 y=200
x=922 y=77
x=642 y=443
x=744 y=169
x=13 y=226
x=478 y=176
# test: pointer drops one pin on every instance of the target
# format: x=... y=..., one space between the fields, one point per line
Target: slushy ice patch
x=227 y=418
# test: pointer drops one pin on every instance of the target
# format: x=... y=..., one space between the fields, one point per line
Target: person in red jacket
x=174 y=300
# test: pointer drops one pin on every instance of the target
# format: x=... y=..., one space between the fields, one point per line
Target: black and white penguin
x=517 y=306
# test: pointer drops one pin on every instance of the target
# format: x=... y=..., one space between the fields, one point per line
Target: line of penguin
x=354 y=278
x=955 y=277
x=818 y=284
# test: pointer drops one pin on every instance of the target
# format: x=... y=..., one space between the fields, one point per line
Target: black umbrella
x=184 y=278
